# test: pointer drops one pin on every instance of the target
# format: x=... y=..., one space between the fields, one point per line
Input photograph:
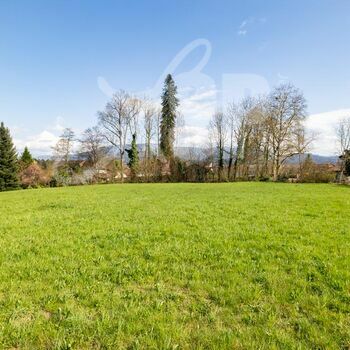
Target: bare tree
x=158 y=117
x=303 y=142
x=64 y=146
x=117 y=120
x=149 y=124
x=92 y=143
x=257 y=141
x=343 y=134
x=218 y=133
x=231 y=118
x=287 y=111
x=242 y=129
x=133 y=110
x=180 y=127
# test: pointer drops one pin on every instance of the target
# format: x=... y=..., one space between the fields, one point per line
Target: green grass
x=165 y=266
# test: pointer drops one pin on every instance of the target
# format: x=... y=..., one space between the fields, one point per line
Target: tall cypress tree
x=8 y=161
x=168 y=119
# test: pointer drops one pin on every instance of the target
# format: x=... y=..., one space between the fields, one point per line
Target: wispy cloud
x=193 y=136
x=198 y=105
x=242 y=32
x=248 y=23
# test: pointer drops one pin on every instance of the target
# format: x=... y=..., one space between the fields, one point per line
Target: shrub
x=34 y=176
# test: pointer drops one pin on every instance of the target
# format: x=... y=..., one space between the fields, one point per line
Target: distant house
x=125 y=174
x=209 y=167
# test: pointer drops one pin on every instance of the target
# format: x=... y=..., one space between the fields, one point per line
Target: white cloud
x=242 y=32
x=243 y=28
x=324 y=125
x=243 y=24
x=39 y=144
x=192 y=136
x=198 y=105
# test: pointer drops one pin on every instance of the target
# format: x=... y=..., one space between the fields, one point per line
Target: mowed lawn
x=176 y=266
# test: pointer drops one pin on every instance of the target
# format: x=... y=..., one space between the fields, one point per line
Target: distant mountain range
x=184 y=152
x=316 y=158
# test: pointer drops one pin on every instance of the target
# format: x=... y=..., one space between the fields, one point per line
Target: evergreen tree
x=133 y=155
x=8 y=161
x=347 y=167
x=26 y=157
x=347 y=163
x=168 y=118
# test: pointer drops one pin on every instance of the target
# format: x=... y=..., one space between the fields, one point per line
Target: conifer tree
x=26 y=157
x=8 y=161
x=347 y=167
x=133 y=155
x=168 y=118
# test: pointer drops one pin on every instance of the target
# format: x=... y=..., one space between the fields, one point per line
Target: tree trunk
x=230 y=161
x=121 y=168
x=235 y=169
x=276 y=168
x=221 y=160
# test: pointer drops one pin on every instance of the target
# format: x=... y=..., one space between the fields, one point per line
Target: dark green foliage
x=133 y=155
x=26 y=157
x=347 y=167
x=168 y=121
x=346 y=158
x=178 y=170
x=8 y=161
x=308 y=162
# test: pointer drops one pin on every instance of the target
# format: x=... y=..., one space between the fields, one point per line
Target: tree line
x=134 y=140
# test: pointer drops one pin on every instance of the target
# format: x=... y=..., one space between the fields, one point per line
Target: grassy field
x=167 y=266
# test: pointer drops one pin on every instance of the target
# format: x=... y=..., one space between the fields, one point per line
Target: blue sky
x=53 y=52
